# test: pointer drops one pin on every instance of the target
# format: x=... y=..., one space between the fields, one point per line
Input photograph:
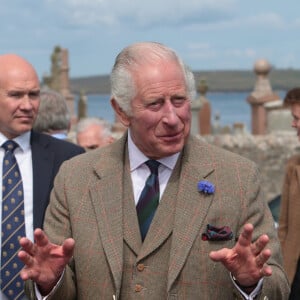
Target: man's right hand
x=44 y=261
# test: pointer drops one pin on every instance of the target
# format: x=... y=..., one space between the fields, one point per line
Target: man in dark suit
x=38 y=156
x=212 y=235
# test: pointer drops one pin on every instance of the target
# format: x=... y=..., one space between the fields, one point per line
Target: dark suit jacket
x=48 y=154
x=93 y=203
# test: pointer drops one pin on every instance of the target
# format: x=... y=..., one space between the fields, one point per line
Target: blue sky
x=207 y=34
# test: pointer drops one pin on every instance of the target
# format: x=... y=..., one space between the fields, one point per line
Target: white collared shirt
x=140 y=172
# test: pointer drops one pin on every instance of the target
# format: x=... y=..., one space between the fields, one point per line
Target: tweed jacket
x=92 y=201
x=289 y=221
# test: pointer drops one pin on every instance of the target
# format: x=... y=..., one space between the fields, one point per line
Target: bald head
x=19 y=95
x=11 y=63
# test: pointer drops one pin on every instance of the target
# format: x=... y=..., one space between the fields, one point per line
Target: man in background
x=289 y=220
x=53 y=116
x=35 y=159
x=92 y=133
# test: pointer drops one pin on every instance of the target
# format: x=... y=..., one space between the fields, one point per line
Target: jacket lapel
x=132 y=234
x=106 y=197
x=191 y=207
x=42 y=161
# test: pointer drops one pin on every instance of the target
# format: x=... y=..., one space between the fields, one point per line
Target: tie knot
x=153 y=165
x=9 y=145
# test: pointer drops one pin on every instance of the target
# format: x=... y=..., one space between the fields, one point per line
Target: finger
x=68 y=247
x=266 y=271
x=263 y=257
x=28 y=273
x=260 y=244
x=245 y=237
x=220 y=255
x=25 y=274
x=26 y=244
x=24 y=257
x=40 y=237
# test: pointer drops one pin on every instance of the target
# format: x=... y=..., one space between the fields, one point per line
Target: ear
x=121 y=115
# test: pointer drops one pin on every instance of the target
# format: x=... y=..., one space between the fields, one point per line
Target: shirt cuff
x=253 y=294
x=38 y=294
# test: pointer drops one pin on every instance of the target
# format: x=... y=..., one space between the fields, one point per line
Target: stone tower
x=58 y=80
x=205 y=111
x=64 y=81
x=261 y=95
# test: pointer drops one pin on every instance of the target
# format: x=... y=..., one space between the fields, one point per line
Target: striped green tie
x=149 y=198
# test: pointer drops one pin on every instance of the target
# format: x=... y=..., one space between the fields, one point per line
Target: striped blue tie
x=149 y=198
x=13 y=226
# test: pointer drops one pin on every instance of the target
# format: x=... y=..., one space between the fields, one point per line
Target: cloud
x=144 y=13
x=268 y=19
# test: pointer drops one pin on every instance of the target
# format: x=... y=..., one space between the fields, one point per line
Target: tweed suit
x=289 y=221
x=97 y=209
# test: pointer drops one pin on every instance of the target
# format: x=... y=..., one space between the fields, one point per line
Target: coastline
x=217 y=81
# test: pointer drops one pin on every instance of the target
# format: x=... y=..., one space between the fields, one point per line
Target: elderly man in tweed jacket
x=212 y=235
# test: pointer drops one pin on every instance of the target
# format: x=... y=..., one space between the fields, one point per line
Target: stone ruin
x=58 y=79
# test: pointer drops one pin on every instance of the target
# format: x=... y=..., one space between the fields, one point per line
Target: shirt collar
x=23 y=140
x=60 y=135
x=137 y=157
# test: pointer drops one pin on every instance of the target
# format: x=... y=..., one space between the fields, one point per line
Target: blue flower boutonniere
x=206 y=187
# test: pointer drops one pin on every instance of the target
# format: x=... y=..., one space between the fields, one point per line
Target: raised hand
x=44 y=261
x=246 y=260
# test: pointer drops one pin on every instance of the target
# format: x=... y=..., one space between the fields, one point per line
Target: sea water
x=229 y=107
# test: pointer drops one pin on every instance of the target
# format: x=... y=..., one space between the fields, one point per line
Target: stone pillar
x=64 y=82
x=204 y=117
x=260 y=96
x=195 y=108
x=279 y=117
x=82 y=106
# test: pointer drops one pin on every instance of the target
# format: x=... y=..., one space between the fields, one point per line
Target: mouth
x=25 y=117
x=173 y=137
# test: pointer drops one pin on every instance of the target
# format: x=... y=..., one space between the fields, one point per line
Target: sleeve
x=284 y=207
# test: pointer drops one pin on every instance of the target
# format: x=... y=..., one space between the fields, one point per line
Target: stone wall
x=270 y=152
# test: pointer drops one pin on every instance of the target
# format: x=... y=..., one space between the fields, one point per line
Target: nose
x=170 y=116
x=26 y=103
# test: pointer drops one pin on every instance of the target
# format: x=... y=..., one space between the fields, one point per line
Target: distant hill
x=217 y=81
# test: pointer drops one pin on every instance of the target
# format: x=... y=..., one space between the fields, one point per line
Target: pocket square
x=217 y=233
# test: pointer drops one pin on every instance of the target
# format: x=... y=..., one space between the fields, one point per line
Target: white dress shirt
x=139 y=170
x=24 y=159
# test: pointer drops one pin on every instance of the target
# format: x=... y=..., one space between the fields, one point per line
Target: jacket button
x=138 y=288
x=140 y=267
